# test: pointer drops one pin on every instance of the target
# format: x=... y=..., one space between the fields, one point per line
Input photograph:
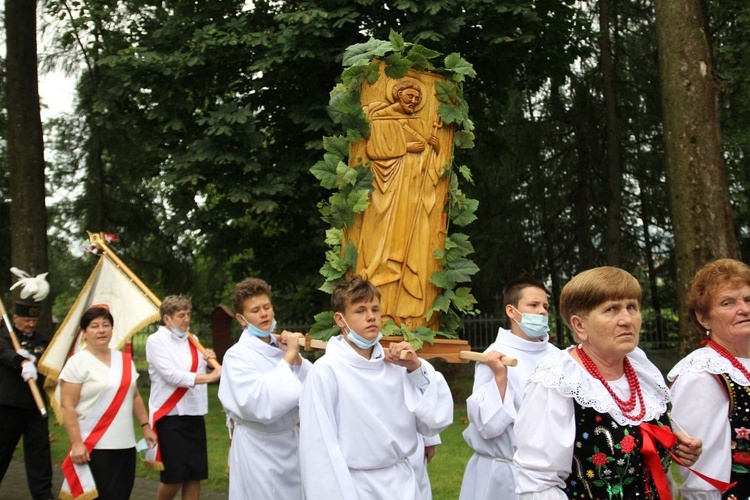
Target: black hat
x=33 y=291
x=27 y=308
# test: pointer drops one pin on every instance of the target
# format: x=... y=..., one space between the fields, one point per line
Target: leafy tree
x=217 y=110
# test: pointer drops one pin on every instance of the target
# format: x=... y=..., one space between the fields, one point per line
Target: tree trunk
x=614 y=169
x=698 y=188
x=581 y=197
x=28 y=215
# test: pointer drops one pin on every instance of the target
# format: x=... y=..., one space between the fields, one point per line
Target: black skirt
x=114 y=472
x=182 y=440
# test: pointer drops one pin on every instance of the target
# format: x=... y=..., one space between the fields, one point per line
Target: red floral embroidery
x=741 y=457
x=628 y=444
x=599 y=459
x=598 y=418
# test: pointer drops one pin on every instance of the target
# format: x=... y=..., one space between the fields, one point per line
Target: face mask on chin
x=533 y=325
x=358 y=339
x=253 y=330
x=180 y=333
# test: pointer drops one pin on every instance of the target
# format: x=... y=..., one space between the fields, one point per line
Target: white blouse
x=84 y=368
x=700 y=406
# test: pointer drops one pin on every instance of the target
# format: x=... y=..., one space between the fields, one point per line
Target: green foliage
x=325 y=327
x=198 y=121
x=352 y=185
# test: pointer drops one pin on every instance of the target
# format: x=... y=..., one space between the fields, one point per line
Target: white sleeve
x=432 y=440
x=157 y=356
x=487 y=411
x=325 y=474
x=545 y=436
x=700 y=406
x=256 y=396
x=433 y=407
x=73 y=371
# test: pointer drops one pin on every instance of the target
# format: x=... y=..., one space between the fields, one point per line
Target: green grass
x=446 y=469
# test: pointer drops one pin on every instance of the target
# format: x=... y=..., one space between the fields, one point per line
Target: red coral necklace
x=625 y=406
x=728 y=355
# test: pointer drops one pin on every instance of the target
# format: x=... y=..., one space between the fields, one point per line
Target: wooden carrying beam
x=451 y=350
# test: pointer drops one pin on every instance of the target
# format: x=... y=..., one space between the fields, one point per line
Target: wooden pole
x=98 y=240
x=17 y=345
x=316 y=344
x=473 y=356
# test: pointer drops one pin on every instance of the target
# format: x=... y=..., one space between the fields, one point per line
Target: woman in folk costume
x=593 y=422
x=98 y=400
x=711 y=389
x=178 y=402
x=260 y=392
x=362 y=407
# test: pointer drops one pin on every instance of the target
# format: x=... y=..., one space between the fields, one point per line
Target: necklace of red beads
x=728 y=355
x=625 y=406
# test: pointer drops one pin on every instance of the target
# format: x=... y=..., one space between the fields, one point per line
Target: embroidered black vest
x=607 y=460
x=739 y=423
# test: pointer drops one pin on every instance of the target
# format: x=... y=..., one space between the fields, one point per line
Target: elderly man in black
x=19 y=415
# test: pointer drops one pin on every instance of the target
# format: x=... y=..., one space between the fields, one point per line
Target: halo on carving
x=389 y=84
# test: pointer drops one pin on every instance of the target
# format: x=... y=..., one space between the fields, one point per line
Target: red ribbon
x=664 y=436
x=175 y=397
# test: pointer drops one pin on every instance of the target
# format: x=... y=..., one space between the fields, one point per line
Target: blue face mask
x=359 y=340
x=180 y=333
x=533 y=325
x=253 y=330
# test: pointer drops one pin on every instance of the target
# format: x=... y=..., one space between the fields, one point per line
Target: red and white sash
x=153 y=455
x=78 y=483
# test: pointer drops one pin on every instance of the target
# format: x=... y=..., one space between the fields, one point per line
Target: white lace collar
x=708 y=360
x=561 y=372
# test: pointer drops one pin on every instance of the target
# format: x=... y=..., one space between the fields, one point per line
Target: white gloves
x=26 y=354
x=28 y=372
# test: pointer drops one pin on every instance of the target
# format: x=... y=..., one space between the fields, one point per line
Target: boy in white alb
x=260 y=391
x=498 y=391
x=178 y=401
x=362 y=407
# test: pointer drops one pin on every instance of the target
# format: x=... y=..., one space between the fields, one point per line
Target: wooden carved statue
x=409 y=148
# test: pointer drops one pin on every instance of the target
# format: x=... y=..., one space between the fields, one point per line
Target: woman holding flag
x=98 y=400
x=178 y=402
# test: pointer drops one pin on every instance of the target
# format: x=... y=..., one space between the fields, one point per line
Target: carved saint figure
x=396 y=241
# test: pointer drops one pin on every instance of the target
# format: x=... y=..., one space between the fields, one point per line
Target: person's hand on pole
x=28 y=371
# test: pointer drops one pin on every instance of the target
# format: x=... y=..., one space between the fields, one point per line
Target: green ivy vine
x=352 y=185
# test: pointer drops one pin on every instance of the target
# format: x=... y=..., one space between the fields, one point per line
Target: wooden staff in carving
x=424 y=170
